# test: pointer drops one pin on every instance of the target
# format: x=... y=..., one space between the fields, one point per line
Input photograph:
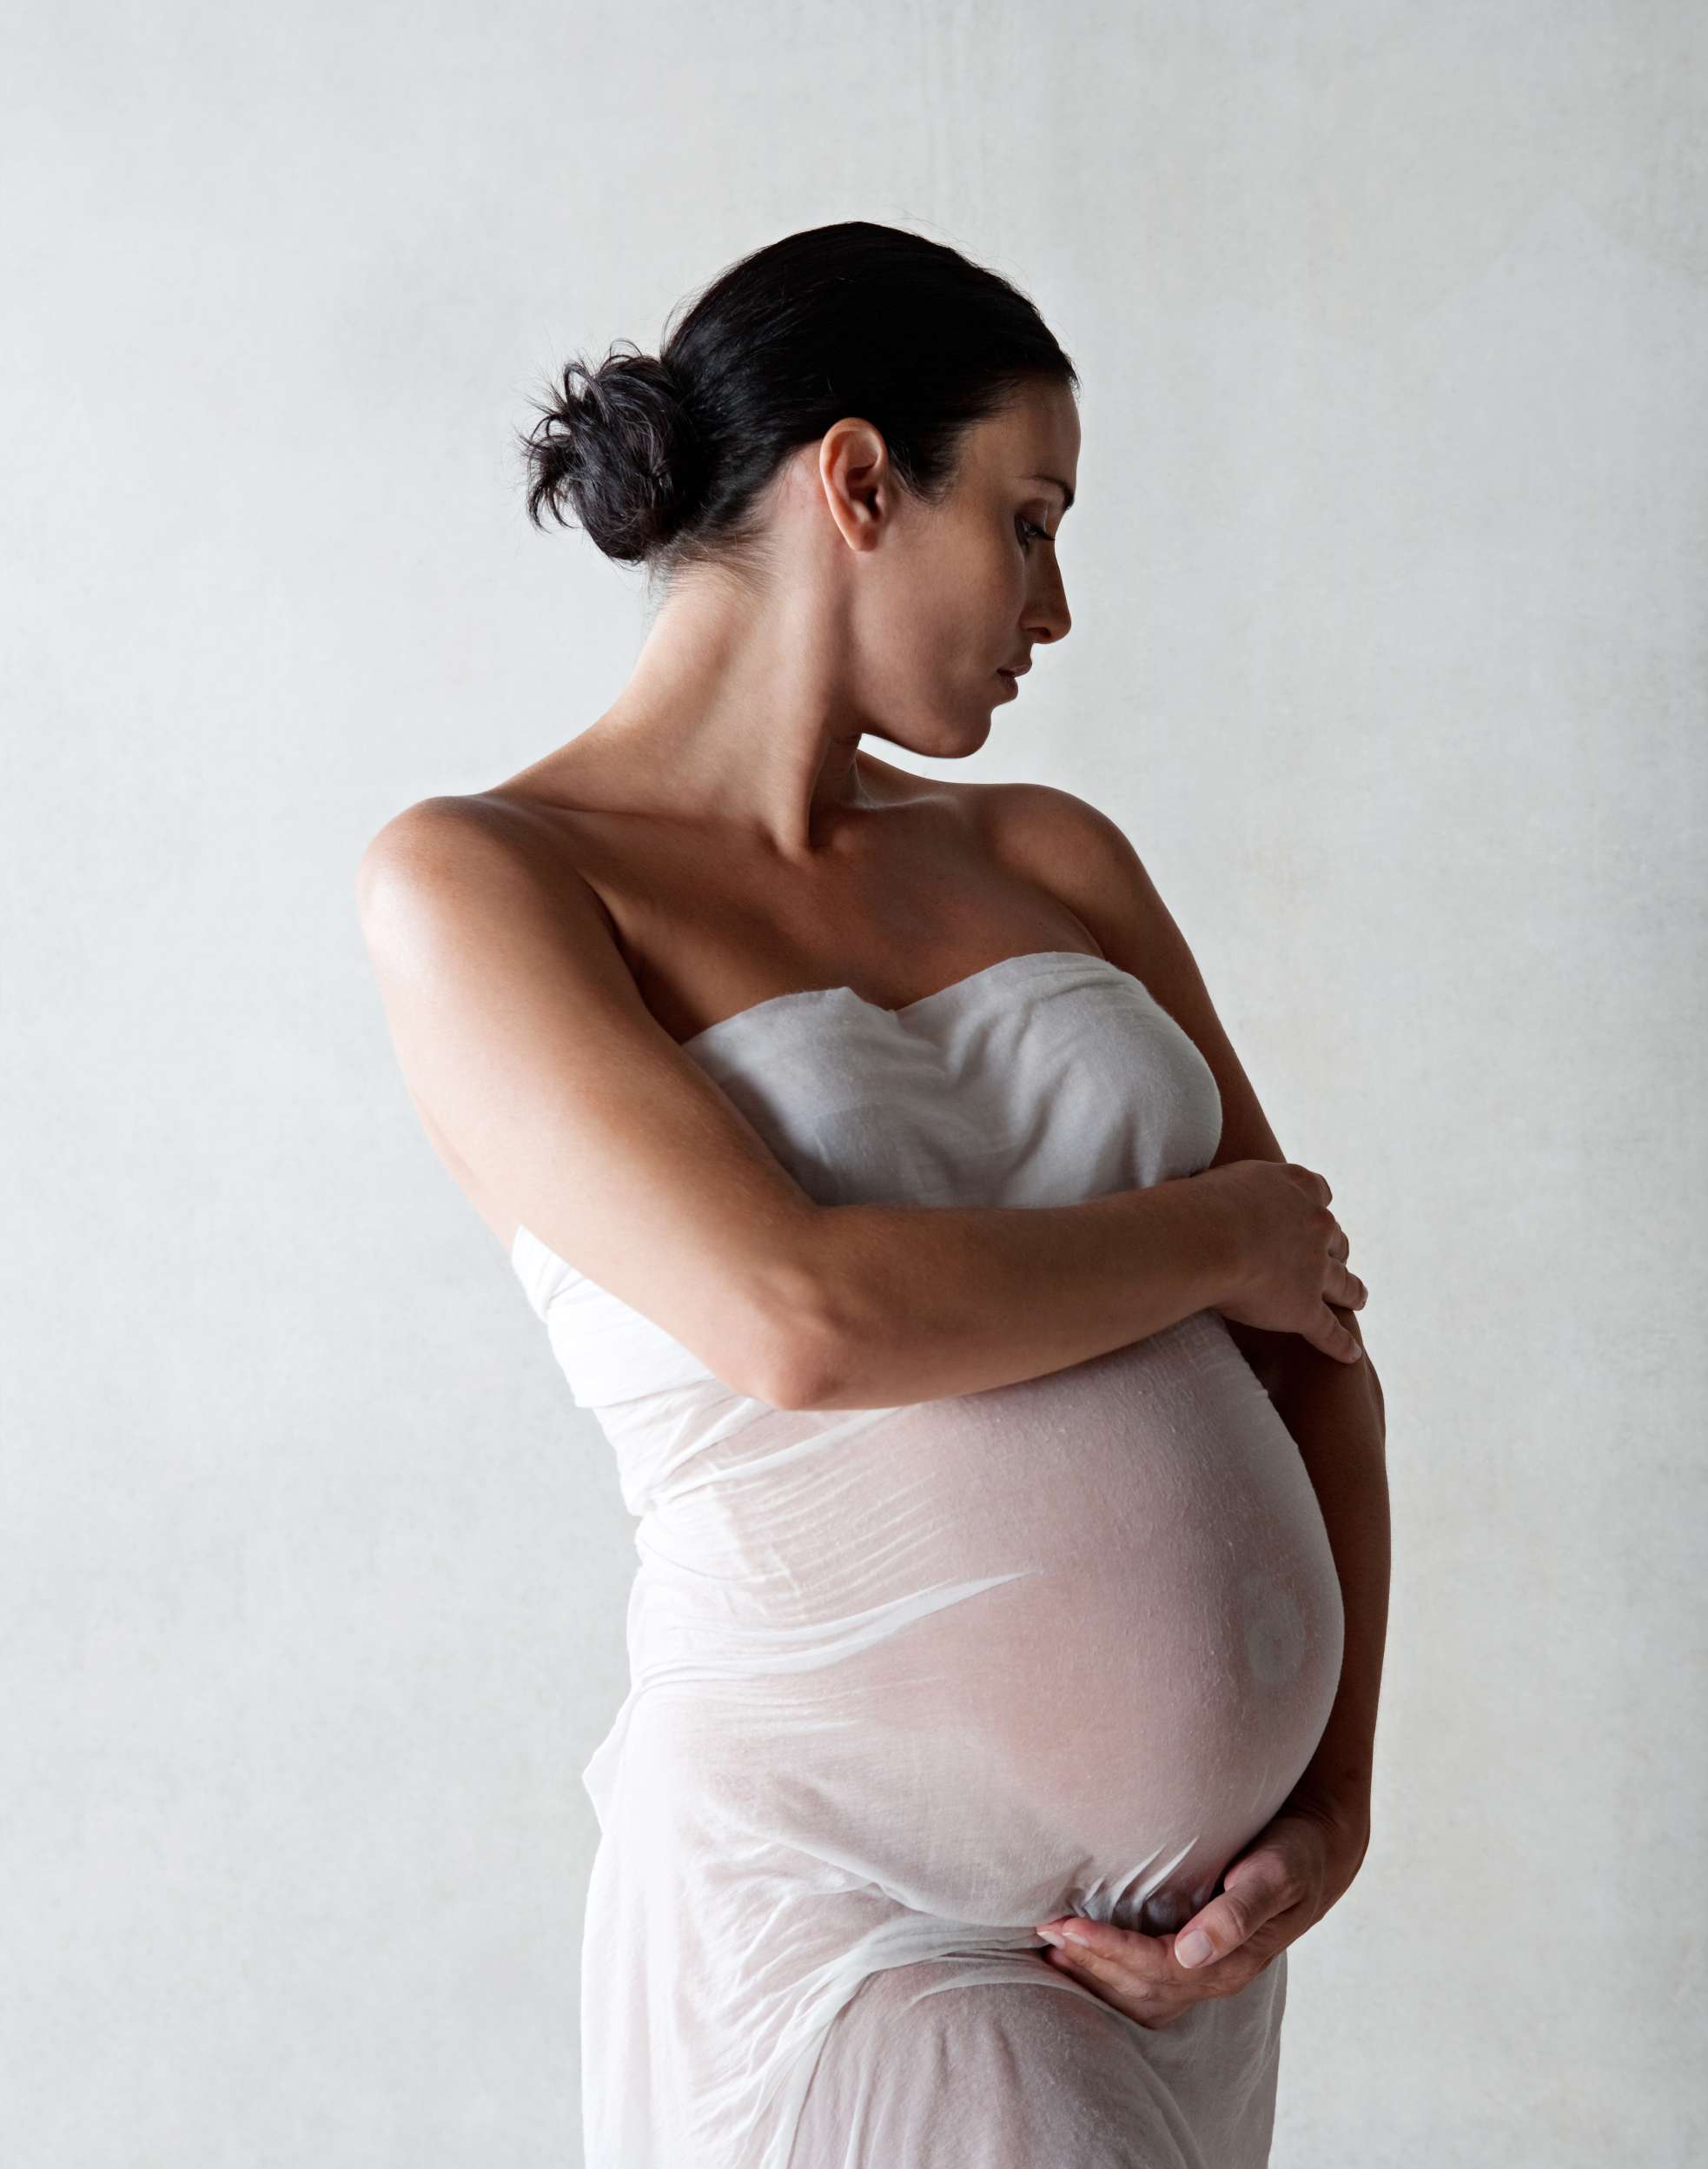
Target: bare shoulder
x=425 y=841
x=460 y=898
x=1087 y=859
x=448 y=852
x=1077 y=852
x=434 y=833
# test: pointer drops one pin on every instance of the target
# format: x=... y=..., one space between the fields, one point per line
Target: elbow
x=792 y=1364
x=795 y=1346
x=792 y=1383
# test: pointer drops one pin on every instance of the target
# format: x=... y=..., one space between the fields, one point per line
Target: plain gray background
x=1388 y=573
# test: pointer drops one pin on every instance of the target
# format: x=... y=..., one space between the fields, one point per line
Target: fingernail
x=1194 y=1949
x=1049 y=1935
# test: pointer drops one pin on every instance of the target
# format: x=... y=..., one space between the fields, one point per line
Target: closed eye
x=1030 y=527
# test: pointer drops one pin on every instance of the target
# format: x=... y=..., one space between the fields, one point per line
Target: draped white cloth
x=905 y=1681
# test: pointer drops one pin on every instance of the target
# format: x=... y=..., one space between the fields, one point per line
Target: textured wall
x=1387 y=574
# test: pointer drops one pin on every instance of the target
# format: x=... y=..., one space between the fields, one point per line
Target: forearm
x=916 y=1302
x=1335 y=1413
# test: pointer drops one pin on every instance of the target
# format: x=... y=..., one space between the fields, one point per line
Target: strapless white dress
x=905 y=1681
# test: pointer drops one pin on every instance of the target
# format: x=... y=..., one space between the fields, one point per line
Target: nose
x=1047 y=617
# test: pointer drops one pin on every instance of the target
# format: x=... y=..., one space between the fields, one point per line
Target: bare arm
x=1333 y=1410
x=1081 y=857
x=524 y=1041
x=925 y=1301
x=1336 y=1415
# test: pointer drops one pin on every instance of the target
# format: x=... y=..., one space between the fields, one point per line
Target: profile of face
x=937 y=601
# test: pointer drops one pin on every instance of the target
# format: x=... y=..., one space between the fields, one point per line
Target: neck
x=736 y=712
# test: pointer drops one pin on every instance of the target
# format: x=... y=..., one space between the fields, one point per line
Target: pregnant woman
x=1012 y=1523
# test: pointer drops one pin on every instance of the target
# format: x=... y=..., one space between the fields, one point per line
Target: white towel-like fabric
x=905 y=1681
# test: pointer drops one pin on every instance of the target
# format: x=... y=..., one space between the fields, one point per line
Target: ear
x=854 y=474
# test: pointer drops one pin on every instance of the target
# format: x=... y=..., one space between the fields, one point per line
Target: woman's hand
x=1294 y=1870
x=1291 y=1254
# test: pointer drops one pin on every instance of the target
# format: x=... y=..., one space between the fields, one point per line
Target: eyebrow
x=1067 y=494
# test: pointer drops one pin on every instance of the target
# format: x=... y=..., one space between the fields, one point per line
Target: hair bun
x=618 y=444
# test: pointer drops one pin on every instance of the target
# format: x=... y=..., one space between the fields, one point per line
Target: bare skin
x=718 y=836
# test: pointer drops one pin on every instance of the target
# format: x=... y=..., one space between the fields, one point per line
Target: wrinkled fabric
x=906 y=1680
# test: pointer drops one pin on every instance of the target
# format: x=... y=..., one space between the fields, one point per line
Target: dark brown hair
x=662 y=457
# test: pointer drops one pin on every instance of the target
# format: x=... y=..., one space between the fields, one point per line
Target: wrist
x=1220 y=1243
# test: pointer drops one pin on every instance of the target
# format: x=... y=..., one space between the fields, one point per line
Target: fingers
x=1105 y=1950
x=1263 y=1886
x=1334 y=1339
x=1349 y=1290
x=1131 y=1970
x=1312 y=1176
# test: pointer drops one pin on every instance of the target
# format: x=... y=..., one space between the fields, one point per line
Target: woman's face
x=950 y=595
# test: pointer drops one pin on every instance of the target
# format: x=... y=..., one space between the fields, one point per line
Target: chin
x=939 y=737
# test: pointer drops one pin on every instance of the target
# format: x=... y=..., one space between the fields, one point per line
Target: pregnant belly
x=1065 y=1645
